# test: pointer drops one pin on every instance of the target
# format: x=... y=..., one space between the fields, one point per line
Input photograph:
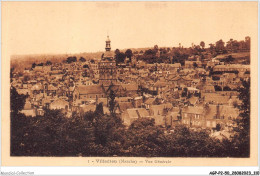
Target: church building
x=107 y=67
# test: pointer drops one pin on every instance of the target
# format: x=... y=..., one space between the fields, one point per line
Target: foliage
x=71 y=59
x=85 y=66
x=230 y=59
x=129 y=54
x=17 y=101
x=202 y=44
x=96 y=134
x=99 y=109
x=119 y=56
x=82 y=59
x=242 y=138
x=48 y=63
x=144 y=138
x=112 y=102
x=33 y=65
x=220 y=46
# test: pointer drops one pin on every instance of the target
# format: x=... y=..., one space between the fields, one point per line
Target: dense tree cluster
x=180 y=54
x=119 y=56
x=82 y=59
x=71 y=59
x=242 y=140
x=47 y=63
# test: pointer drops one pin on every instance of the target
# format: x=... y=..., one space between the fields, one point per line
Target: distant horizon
x=120 y=49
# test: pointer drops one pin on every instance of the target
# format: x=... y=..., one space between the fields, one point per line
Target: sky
x=75 y=27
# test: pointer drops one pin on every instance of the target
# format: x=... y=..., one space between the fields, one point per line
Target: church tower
x=108 y=47
x=107 y=67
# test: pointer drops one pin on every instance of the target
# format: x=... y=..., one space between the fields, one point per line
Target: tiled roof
x=160 y=84
x=125 y=105
x=193 y=110
x=59 y=102
x=108 y=54
x=150 y=101
x=91 y=89
x=137 y=112
x=224 y=111
x=130 y=87
x=216 y=98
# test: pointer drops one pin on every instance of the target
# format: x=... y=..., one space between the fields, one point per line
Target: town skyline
x=188 y=95
x=130 y=79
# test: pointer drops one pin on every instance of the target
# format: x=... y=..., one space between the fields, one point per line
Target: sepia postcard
x=129 y=83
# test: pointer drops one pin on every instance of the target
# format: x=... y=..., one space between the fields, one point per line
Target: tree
x=242 y=140
x=156 y=48
x=211 y=47
x=82 y=59
x=40 y=64
x=117 y=51
x=109 y=135
x=218 y=127
x=129 y=54
x=229 y=45
x=33 y=65
x=17 y=101
x=71 y=59
x=99 y=109
x=235 y=46
x=112 y=102
x=48 y=63
x=202 y=44
x=185 y=142
x=85 y=66
x=220 y=46
x=149 y=52
x=144 y=138
x=230 y=59
x=11 y=73
x=120 y=57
